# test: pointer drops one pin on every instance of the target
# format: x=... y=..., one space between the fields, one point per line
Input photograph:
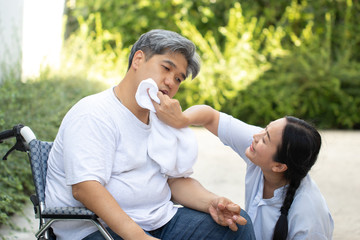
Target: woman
x=280 y=197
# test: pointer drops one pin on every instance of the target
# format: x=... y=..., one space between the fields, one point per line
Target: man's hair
x=159 y=41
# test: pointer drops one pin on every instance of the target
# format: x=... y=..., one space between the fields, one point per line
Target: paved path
x=222 y=171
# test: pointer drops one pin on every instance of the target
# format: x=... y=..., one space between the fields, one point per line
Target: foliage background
x=261 y=60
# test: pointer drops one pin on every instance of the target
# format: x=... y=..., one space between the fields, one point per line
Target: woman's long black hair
x=300 y=147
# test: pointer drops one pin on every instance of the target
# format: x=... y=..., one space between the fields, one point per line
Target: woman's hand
x=169 y=111
x=226 y=213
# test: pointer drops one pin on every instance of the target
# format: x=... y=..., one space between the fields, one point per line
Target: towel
x=175 y=150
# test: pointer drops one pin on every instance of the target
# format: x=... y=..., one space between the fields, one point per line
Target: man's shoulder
x=95 y=106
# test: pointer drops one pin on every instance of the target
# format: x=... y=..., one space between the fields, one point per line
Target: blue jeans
x=189 y=224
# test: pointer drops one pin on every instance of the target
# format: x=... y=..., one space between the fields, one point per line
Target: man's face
x=167 y=70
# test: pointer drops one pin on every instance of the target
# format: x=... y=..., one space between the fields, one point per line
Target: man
x=99 y=159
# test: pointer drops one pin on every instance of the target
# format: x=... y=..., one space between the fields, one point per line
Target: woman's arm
x=169 y=111
x=203 y=115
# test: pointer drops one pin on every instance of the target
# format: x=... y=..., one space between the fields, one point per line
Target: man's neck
x=126 y=94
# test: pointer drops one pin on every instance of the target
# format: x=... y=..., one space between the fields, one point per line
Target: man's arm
x=190 y=193
x=97 y=198
x=180 y=189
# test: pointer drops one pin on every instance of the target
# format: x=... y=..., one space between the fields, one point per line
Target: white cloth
x=100 y=139
x=309 y=217
x=142 y=97
x=175 y=150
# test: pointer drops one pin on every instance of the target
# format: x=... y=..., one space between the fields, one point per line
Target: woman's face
x=265 y=144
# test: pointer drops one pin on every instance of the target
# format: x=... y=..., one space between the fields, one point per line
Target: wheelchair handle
x=7 y=134
x=27 y=134
x=23 y=134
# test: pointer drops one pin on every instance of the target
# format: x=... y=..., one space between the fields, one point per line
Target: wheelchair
x=38 y=152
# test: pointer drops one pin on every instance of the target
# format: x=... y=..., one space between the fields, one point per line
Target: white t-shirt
x=100 y=139
x=309 y=216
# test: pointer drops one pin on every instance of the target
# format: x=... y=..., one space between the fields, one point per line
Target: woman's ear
x=279 y=167
x=138 y=57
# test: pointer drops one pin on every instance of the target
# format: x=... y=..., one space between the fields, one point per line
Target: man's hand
x=169 y=111
x=226 y=213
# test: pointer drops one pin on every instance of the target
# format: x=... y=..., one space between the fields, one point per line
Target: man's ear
x=279 y=167
x=139 y=56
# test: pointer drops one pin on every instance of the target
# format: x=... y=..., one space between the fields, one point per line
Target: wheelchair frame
x=38 y=155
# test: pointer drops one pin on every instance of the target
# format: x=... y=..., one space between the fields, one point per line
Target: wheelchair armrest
x=68 y=213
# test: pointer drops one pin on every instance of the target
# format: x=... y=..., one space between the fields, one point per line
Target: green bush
x=310 y=47
x=312 y=81
x=41 y=105
x=300 y=88
x=95 y=54
x=248 y=45
x=266 y=72
x=132 y=18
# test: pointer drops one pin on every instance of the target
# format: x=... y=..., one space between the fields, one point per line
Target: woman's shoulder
x=308 y=197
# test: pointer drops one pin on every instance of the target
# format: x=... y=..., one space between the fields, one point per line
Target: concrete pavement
x=221 y=171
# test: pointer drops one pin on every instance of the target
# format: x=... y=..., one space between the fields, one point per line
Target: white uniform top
x=309 y=216
x=100 y=139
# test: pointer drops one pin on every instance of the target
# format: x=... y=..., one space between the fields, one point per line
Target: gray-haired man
x=100 y=159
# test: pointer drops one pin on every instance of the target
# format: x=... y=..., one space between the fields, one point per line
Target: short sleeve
x=89 y=149
x=236 y=134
